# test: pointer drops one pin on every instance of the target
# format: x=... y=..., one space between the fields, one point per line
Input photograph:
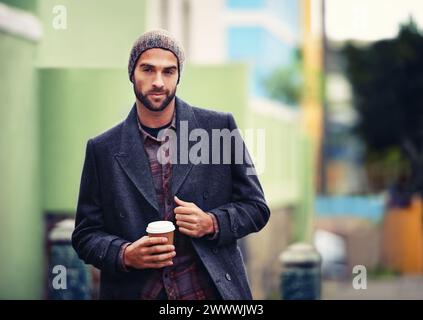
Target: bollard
x=301 y=273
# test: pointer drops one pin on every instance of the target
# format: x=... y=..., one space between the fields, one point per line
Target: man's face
x=155 y=78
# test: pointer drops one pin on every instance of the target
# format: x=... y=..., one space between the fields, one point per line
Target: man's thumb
x=182 y=203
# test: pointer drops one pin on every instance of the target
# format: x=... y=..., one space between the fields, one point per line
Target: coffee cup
x=161 y=229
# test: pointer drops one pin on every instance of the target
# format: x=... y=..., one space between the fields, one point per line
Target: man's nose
x=158 y=80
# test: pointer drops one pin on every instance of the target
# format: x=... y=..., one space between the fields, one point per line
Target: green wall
x=76 y=104
x=84 y=87
x=280 y=175
x=218 y=87
x=42 y=140
x=20 y=215
x=99 y=33
x=27 y=5
x=304 y=215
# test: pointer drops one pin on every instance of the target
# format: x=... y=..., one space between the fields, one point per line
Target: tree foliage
x=387 y=81
x=285 y=84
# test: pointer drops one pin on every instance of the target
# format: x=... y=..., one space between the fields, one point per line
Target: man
x=126 y=184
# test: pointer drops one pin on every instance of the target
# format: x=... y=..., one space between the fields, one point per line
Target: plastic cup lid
x=160 y=227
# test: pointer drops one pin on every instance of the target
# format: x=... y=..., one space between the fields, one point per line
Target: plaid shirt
x=187 y=278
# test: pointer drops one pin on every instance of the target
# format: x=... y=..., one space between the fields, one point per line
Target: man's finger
x=185 y=218
x=152 y=241
x=184 y=210
x=184 y=203
x=159 y=249
x=146 y=241
x=185 y=225
x=160 y=257
x=158 y=265
x=187 y=232
x=141 y=241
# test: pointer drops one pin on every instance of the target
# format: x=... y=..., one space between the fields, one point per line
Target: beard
x=149 y=105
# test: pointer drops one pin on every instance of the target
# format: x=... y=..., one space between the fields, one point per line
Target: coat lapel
x=185 y=123
x=133 y=159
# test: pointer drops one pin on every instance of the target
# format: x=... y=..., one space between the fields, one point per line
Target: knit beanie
x=156 y=39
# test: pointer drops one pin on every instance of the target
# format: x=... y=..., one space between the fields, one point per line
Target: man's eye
x=147 y=70
x=168 y=72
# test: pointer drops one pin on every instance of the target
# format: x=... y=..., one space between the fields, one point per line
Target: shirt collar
x=146 y=135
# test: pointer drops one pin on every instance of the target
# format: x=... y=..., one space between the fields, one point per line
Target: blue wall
x=366 y=207
x=246 y=4
x=263 y=51
x=257 y=45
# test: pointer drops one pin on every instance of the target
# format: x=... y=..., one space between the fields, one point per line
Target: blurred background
x=336 y=84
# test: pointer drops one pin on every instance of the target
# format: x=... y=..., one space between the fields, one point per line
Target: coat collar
x=133 y=159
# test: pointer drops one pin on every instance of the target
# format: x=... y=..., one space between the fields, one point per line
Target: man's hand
x=191 y=220
x=149 y=252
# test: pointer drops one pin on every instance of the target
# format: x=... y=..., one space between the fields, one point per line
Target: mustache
x=156 y=91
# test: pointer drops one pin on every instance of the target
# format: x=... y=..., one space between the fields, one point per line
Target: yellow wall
x=312 y=49
x=403 y=238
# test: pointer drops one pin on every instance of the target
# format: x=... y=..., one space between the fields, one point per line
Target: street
x=398 y=288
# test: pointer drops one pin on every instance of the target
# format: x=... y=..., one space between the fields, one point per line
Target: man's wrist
x=124 y=259
x=215 y=227
x=211 y=225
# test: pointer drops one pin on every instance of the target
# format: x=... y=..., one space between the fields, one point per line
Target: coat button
x=228 y=277
x=205 y=195
x=121 y=215
x=215 y=250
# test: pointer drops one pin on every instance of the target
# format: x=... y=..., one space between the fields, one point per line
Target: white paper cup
x=161 y=229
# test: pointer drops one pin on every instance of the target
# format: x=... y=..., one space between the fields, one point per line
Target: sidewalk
x=401 y=288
